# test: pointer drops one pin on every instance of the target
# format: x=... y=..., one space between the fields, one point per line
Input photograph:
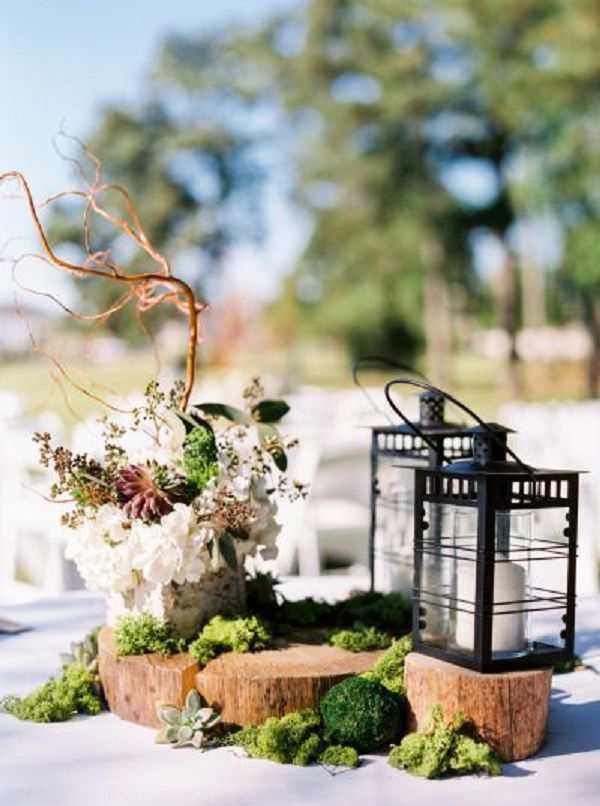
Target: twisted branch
x=150 y=288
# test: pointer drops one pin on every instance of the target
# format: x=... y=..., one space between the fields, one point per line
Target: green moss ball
x=362 y=714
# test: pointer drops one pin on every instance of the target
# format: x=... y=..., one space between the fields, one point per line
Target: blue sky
x=62 y=60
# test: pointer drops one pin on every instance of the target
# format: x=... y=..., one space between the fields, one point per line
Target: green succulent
x=191 y=725
x=83 y=653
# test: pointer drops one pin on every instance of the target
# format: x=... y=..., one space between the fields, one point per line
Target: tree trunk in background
x=592 y=323
x=437 y=317
x=509 y=317
x=533 y=304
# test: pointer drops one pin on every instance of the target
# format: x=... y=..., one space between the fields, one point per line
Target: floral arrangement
x=175 y=501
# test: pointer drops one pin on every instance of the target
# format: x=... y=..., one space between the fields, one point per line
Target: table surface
x=103 y=760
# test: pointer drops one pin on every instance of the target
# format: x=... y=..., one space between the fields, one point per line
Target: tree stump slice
x=134 y=683
x=507 y=710
x=248 y=688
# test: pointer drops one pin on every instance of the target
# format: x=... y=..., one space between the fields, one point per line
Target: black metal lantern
x=494 y=583
x=396 y=450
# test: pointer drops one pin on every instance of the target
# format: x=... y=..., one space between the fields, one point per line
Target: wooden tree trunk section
x=507 y=710
x=246 y=688
x=251 y=687
x=133 y=684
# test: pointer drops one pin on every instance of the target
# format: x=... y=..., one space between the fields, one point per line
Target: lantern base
x=508 y=710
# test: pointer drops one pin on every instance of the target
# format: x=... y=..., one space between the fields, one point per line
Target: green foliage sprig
x=200 y=456
x=229 y=634
x=362 y=714
x=143 y=633
x=565 y=666
x=361 y=640
x=444 y=750
x=389 y=612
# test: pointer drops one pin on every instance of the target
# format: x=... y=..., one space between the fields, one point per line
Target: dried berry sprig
x=253 y=393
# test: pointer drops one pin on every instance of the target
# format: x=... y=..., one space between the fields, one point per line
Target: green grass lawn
x=476 y=380
x=32 y=380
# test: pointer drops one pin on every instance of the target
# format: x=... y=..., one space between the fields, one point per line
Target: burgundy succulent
x=140 y=494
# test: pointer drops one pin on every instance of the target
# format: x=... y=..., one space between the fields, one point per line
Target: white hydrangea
x=115 y=555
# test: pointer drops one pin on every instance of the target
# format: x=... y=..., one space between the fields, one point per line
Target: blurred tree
x=193 y=172
x=408 y=130
x=359 y=82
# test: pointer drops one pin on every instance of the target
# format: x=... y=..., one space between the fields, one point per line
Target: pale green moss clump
x=443 y=750
x=292 y=739
x=76 y=691
x=229 y=634
x=362 y=639
x=336 y=755
x=389 y=669
x=144 y=633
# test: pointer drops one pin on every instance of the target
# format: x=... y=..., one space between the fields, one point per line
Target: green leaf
x=270 y=439
x=161 y=736
x=223 y=410
x=191 y=421
x=185 y=733
x=270 y=411
x=227 y=547
x=280 y=458
x=168 y=713
x=192 y=702
x=197 y=739
x=172 y=733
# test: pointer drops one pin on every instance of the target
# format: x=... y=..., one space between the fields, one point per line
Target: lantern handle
x=382 y=360
x=451 y=399
x=415 y=428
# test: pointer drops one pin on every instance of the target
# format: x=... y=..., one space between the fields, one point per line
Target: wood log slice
x=508 y=710
x=248 y=688
x=134 y=683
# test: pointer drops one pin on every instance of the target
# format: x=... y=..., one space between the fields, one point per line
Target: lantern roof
x=489 y=455
x=431 y=420
x=497 y=428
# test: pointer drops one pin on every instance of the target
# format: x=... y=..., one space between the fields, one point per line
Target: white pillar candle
x=508 y=629
x=434 y=590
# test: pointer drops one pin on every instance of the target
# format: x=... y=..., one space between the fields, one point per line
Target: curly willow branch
x=150 y=288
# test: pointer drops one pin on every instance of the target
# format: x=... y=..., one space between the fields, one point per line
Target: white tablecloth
x=105 y=761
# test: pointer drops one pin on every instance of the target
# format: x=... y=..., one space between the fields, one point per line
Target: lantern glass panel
x=548 y=578
x=435 y=577
x=510 y=624
x=394 y=519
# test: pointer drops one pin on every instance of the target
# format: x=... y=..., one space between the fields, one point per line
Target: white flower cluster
x=131 y=561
